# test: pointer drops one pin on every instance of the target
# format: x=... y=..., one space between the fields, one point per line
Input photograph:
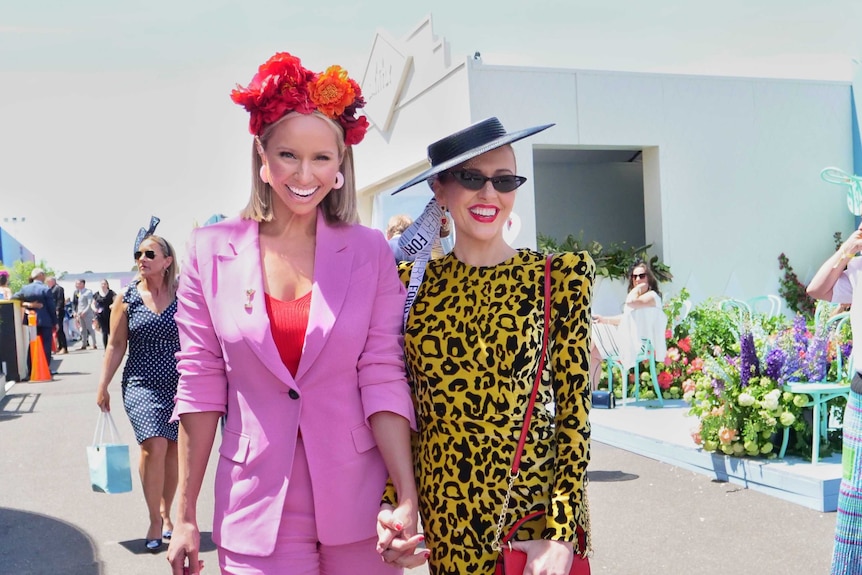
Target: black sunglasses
x=149 y=254
x=474 y=181
x=638 y=276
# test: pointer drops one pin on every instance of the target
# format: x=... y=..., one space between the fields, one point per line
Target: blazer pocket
x=363 y=438
x=234 y=446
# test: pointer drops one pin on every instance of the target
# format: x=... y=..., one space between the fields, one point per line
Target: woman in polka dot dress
x=143 y=321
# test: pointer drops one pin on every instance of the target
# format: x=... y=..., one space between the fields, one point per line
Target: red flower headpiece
x=283 y=85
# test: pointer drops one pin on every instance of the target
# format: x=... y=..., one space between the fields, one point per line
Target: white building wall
x=731 y=165
x=434 y=103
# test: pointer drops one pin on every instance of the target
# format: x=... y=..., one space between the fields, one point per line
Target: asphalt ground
x=647 y=517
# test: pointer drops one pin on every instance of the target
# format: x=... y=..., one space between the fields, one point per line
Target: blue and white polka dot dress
x=150 y=376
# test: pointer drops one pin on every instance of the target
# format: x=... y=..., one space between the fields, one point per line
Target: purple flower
x=800 y=331
x=749 y=364
x=816 y=365
x=775 y=363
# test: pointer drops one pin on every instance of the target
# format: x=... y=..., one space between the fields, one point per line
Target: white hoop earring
x=263 y=173
x=339 y=181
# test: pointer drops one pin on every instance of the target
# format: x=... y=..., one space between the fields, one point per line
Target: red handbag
x=512 y=561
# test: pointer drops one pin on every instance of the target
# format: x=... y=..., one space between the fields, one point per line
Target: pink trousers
x=297 y=550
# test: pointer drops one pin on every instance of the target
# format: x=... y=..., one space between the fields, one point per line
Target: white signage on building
x=383 y=80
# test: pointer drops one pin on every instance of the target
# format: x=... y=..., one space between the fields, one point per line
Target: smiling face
x=300 y=163
x=479 y=216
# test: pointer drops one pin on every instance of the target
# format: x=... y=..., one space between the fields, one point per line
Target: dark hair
x=651 y=281
x=4 y=279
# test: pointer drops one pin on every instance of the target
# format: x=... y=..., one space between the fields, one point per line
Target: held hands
x=185 y=544
x=545 y=556
x=397 y=544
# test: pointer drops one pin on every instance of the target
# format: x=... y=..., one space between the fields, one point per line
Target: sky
x=111 y=112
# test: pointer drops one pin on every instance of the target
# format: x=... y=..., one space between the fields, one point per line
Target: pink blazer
x=351 y=367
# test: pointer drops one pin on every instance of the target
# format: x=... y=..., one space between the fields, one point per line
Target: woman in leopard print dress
x=472 y=339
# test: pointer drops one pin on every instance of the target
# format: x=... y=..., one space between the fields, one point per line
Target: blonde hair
x=173 y=271
x=397 y=224
x=339 y=206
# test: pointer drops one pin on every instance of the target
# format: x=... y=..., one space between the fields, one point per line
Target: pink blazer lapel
x=243 y=295
x=333 y=261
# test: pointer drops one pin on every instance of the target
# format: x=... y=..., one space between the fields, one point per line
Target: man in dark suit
x=60 y=300
x=36 y=297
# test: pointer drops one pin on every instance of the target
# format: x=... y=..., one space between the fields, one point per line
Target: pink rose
x=664 y=380
x=688 y=385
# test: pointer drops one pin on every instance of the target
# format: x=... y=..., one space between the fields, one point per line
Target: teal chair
x=649 y=323
x=823 y=310
x=736 y=307
x=646 y=353
x=768 y=305
x=822 y=392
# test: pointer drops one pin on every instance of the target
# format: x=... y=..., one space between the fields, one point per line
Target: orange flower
x=695 y=434
x=332 y=91
x=726 y=436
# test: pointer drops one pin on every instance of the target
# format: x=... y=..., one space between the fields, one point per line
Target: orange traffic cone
x=38 y=362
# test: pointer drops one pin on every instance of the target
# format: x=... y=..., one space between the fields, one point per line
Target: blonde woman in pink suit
x=289 y=319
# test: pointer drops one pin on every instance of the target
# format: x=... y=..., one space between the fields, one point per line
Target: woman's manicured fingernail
x=399 y=526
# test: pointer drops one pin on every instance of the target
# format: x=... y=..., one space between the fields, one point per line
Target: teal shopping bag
x=109 y=460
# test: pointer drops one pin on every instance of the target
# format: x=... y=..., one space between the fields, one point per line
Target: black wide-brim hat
x=470 y=142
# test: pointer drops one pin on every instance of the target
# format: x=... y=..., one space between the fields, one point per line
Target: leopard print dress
x=472 y=340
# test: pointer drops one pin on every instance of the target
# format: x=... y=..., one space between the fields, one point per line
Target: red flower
x=668 y=334
x=684 y=344
x=354 y=129
x=282 y=85
x=664 y=380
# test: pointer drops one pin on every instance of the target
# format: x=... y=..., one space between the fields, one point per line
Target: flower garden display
x=731 y=369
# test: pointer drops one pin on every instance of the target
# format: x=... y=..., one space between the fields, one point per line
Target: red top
x=288 y=321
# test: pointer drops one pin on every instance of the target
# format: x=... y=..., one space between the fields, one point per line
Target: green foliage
x=612 y=261
x=710 y=327
x=673 y=310
x=19 y=274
